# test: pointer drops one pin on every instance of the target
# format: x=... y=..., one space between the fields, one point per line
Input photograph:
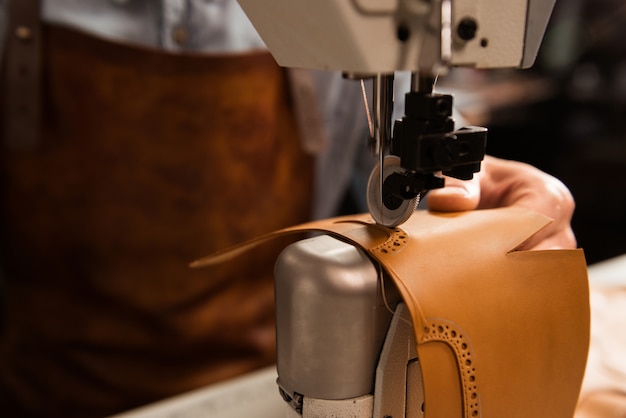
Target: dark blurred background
x=566 y=116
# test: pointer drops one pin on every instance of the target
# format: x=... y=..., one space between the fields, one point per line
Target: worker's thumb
x=457 y=195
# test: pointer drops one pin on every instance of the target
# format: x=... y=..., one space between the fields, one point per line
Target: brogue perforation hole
x=438 y=330
x=395 y=242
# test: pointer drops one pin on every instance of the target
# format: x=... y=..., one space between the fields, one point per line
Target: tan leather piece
x=500 y=333
x=147 y=160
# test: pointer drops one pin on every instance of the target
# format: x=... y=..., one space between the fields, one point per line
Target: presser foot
x=385 y=204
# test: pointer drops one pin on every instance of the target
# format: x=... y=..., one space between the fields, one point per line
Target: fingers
x=556 y=239
x=504 y=183
x=511 y=183
x=558 y=206
x=456 y=196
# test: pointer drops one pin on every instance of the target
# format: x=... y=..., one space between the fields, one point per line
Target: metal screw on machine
x=467 y=28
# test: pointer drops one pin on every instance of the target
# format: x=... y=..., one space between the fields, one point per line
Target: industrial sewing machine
x=345 y=354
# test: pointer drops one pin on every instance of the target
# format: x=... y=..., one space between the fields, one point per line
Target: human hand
x=510 y=183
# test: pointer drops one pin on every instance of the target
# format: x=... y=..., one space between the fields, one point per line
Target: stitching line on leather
x=443 y=331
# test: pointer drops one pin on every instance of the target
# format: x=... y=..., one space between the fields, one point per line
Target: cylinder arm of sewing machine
x=345 y=341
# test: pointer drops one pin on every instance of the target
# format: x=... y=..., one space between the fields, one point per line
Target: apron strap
x=22 y=75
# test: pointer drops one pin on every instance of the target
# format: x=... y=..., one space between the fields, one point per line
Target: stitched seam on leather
x=446 y=332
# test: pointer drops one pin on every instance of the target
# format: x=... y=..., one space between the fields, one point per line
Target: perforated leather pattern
x=437 y=330
x=446 y=332
x=397 y=240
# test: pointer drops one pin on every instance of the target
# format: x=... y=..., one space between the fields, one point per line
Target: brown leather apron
x=146 y=161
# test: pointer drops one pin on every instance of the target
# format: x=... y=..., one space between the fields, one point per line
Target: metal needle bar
x=383 y=109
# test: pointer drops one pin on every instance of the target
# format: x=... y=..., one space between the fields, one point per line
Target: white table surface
x=253 y=395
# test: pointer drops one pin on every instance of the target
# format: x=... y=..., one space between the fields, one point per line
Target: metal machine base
x=342 y=349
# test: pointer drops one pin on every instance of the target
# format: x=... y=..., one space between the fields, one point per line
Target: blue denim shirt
x=173 y=25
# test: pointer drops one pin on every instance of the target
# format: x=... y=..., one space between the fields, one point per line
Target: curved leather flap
x=500 y=333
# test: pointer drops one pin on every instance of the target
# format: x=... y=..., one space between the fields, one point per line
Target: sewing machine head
x=374 y=39
x=383 y=36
